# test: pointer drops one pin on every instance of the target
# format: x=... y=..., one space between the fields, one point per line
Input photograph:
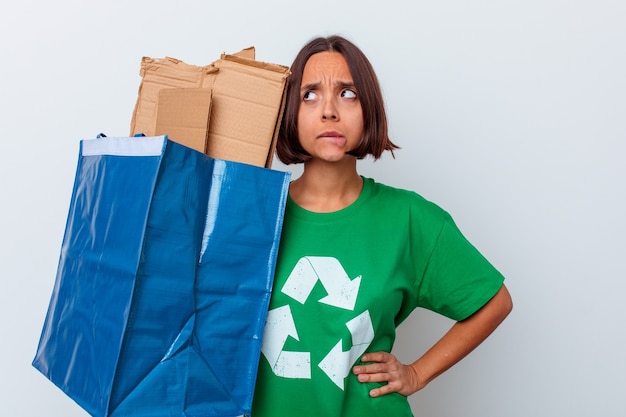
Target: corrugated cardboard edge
x=248 y=53
x=279 y=120
x=254 y=63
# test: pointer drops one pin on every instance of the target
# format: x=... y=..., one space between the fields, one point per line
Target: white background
x=511 y=115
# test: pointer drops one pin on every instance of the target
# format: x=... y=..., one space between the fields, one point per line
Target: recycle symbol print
x=342 y=293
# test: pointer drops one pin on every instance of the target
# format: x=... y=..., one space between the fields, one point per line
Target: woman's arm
x=463 y=337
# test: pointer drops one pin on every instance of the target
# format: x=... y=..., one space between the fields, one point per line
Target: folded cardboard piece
x=184 y=113
x=230 y=109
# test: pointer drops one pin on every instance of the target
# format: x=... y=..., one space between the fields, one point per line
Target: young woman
x=357 y=257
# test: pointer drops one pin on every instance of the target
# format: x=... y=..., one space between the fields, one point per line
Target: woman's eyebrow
x=345 y=84
x=310 y=86
x=314 y=85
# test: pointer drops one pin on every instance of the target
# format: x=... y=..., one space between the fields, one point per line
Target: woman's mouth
x=333 y=136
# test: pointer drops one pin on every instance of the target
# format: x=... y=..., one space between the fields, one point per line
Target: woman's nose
x=329 y=112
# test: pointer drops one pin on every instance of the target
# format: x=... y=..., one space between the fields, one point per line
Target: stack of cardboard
x=230 y=109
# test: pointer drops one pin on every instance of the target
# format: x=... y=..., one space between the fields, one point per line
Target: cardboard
x=184 y=114
x=156 y=75
x=242 y=119
x=159 y=73
x=247 y=108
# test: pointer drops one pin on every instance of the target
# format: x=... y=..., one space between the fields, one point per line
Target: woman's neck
x=326 y=187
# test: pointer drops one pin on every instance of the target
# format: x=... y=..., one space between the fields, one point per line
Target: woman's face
x=330 y=117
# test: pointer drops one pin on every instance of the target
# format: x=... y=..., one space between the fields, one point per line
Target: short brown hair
x=375 y=138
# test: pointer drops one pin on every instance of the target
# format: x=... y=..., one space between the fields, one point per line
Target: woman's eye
x=308 y=96
x=348 y=94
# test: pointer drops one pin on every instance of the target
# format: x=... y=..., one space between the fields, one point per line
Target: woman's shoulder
x=425 y=217
x=404 y=197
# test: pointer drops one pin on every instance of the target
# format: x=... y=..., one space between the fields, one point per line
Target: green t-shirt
x=344 y=281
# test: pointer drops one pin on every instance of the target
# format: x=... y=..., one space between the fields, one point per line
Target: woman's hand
x=460 y=340
x=387 y=368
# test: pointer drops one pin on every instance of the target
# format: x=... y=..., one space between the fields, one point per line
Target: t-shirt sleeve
x=457 y=279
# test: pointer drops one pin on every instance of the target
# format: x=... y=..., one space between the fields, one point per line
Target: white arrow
x=342 y=291
x=278 y=326
x=337 y=363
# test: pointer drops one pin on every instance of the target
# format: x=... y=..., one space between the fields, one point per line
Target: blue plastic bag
x=164 y=280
